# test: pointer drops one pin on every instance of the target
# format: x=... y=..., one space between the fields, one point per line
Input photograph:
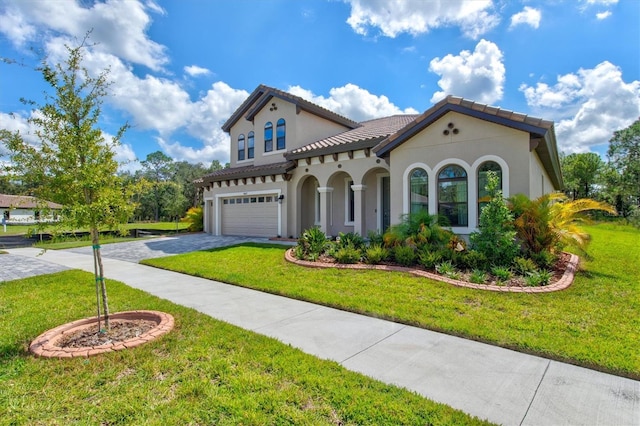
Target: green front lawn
x=203 y=372
x=152 y=226
x=594 y=323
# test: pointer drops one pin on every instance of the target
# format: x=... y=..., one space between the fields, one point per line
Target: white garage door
x=255 y=216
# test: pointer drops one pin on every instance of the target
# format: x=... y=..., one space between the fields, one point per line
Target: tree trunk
x=99 y=274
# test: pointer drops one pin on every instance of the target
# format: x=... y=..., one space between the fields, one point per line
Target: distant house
x=295 y=165
x=24 y=209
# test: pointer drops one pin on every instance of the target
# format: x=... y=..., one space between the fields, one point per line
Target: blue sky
x=180 y=68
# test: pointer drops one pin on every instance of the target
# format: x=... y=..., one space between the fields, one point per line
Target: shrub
x=429 y=259
x=502 y=273
x=313 y=242
x=538 y=278
x=404 y=255
x=523 y=266
x=478 y=276
x=194 y=218
x=375 y=254
x=350 y=239
x=473 y=259
x=496 y=238
x=545 y=259
x=375 y=238
x=445 y=268
x=347 y=254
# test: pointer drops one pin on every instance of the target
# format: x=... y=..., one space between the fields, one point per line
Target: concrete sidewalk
x=500 y=385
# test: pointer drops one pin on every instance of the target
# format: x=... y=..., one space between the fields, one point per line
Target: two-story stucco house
x=295 y=165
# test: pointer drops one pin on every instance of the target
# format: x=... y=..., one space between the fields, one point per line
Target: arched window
x=280 y=134
x=250 y=144
x=483 y=194
x=240 y=147
x=453 y=195
x=418 y=191
x=268 y=137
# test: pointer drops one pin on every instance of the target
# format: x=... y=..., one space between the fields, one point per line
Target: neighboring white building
x=295 y=165
x=23 y=209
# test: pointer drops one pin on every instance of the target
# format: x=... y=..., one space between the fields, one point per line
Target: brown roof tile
x=247 y=172
x=23 y=202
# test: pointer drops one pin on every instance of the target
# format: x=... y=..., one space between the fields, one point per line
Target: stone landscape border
x=564 y=282
x=45 y=345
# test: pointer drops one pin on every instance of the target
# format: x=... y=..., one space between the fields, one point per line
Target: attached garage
x=255 y=216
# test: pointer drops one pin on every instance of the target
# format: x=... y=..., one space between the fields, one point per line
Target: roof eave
x=335 y=149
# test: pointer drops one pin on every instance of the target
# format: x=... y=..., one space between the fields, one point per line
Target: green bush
x=523 y=265
x=404 y=255
x=446 y=268
x=429 y=259
x=478 y=276
x=375 y=238
x=375 y=254
x=538 y=278
x=194 y=217
x=350 y=239
x=473 y=259
x=313 y=242
x=502 y=273
x=347 y=255
x=544 y=259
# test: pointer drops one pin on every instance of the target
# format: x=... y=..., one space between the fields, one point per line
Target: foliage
x=581 y=173
x=348 y=254
x=496 y=237
x=429 y=259
x=624 y=162
x=567 y=216
x=404 y=255
x=501 y=272
x=522 y=266
x=446 y=268
x=478 y=276
x=313 y=243
x=417 y=229
x=74 y=164
x=532 y=223
x=375 y=254
x=544 y=259
x=375 y=238
x=194 y=217
x=350 y=239
x=538 y=278
x=473 y=259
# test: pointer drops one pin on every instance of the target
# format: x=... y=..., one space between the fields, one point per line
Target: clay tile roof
x=247 y=172
x=24 y=202
x=369 y=134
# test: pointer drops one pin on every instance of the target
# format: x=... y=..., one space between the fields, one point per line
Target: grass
x=594 y=323
x=203 y=372
x=152 y=226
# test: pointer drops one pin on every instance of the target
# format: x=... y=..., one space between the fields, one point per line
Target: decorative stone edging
x=45 y=344
x=563 y=283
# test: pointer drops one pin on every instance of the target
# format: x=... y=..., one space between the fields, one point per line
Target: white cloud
x=589 y=105
x=393 y=17
x=605 y=3
x=204 y=155
x=353 y=102
x=603 y=15
x=528 y=16
x=118 y=26
x=195 y=71
x=477 y=75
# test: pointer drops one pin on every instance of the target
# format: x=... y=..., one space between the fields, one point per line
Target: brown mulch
x=120 y=331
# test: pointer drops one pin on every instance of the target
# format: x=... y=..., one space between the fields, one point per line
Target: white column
x=325 y=208
x=358 y=209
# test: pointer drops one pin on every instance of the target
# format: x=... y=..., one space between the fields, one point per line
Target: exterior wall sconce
x=280 y=198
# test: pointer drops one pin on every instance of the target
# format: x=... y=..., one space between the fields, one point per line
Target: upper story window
x=240 y=147
x=453 y=195
x=418 y=191
x=281 y=131
x=483 y=195
x=268 y=137
x=250 y=145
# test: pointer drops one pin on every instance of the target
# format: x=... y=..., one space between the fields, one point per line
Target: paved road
x=500 y=385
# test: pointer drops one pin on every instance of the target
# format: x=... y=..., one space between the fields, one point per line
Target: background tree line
x=615 y=180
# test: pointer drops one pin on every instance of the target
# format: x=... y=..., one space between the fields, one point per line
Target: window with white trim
x=453 y=200
x=241 y=147
x=268 y=137
x=483 y=194
x=418 y=191
x=281 y=129
x=250 y=144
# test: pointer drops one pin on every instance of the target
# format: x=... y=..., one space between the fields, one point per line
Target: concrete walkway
x=500 y=385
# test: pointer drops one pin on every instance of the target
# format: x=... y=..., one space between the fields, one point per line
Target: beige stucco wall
x=477 y=141
x=539 y=181
x=301 y=129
